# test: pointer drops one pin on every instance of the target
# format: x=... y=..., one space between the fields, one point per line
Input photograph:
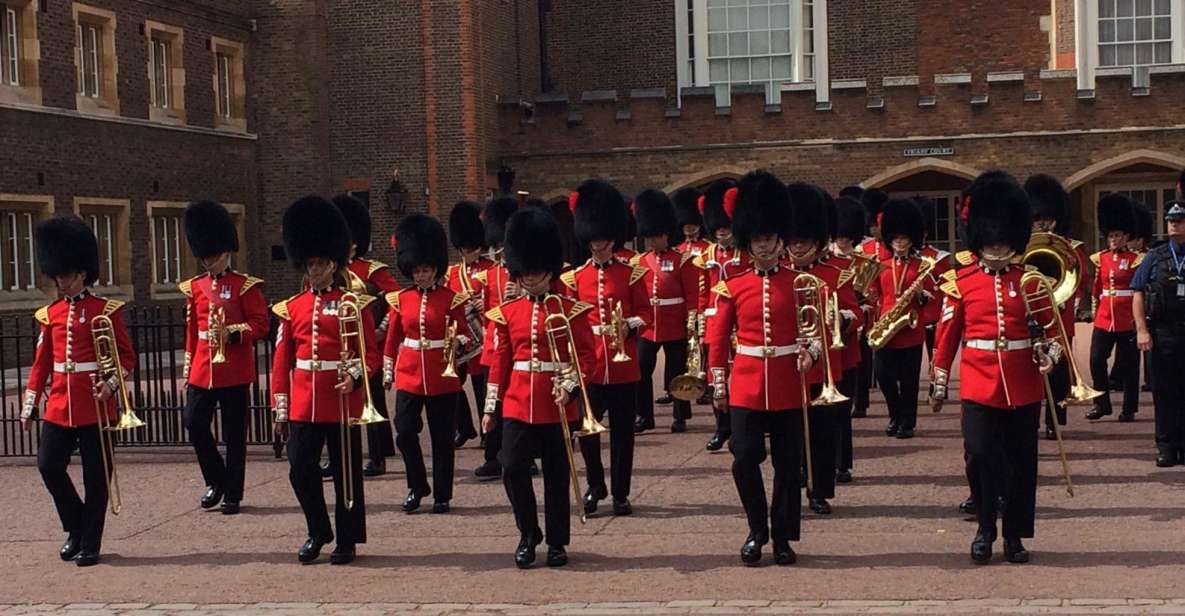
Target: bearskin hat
x=210 y=229
x=358 y=218
x=314 y=227
x=762 y=206
x=808 y=218
x=497 y=211
x=874 y=200
x=849 y=219
x=853 y=192
x=464 y=226
x=533 y=243
x=1145 y=223
x=686 y=202
x=903 y=217
x=1117 y=213
x=419 y=240
x=715 y=217
x=996 y=210
x=600 y=212
x=66 y=244
x=1049 y=200
x=655 y=213
x=926 y=205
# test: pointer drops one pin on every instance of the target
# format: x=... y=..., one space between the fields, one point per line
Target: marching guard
x=1114 y=327
x=468 y=237
x=942 y=262
x=84 y=352
x=225 y=313
x=691 y=221
x=873 y=202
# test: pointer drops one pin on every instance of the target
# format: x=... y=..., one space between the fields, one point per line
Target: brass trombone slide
x=107 y=356
x=353 y=350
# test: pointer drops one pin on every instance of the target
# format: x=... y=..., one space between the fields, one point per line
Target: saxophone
x=903 y=313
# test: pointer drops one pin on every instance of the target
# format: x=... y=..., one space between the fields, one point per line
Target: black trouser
x=305 y=442
x=477 y=382
x=409 y=422
x=1146 y=358
x=1059 y=386
x=723 y=421
x=676 y=362
x=930 y=330
x=1127 y=355
x=749 y=428
x=523 y=442
x=1149 y=370
x=824 y=439
x=494 y=436
x=619 y=400
x=199 y=417
x=1001 y=450
x=864 y=374
x=1168 y=397
x=843 y=448
x=84 y=519
x=380 y=442
x=898 y=372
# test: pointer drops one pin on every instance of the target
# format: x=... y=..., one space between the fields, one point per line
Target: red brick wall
x=981 y=36
x=871 y=39
x=610 y=44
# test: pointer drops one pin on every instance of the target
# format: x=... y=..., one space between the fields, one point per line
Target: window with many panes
x=1135 y=33
x=10 y=55
x=943 y=235
x=90 y=60
x=18 y=261
x=225 y=84
x=108 y=218
x=1153 y=195
x=229 y=84
x=159 y=67
x=20 y=57
x=170 y=254
x=95 y=60
x=166 y=72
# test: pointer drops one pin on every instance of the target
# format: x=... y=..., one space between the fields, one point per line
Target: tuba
x=691 y=385
x=903 y=314
x=865 y=269
x=107 y=356
x=1055 y=257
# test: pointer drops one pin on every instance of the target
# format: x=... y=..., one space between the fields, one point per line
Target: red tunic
x=896 y=277
x=837 y=272
x=673 y=284
x=942 y=262
x=308 y=347
x=1112 y=288
x=694 y=248
x=413 y=352
x=66 y=352
x=375 y=276
x=872 y=247
x=602 y=288
x=245 y=311
x=492 y=284
x=521 y=363
x=476 y=287
x=719 y=264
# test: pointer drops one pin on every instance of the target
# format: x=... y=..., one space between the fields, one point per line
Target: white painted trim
x=822 y=60
x=1178 y=26
x=682 y=53
x=701 y=42
x=80 y=115
x=1086 y=44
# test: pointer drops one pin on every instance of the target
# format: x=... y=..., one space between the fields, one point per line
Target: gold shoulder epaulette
x=111 y=306
x=949 y=275
x=721 y=289
x=1097 y=258
x=374 y=267
x=949 y=286
x=636 y=259
x=845 y=275
x=569 y=279
x=495 y=314
x=366 y=300
x=459 y=298
x=186 y=287
x=250 y=282
x=578 y=309
x=1075 y=244
x=392 y=299
x=637 y=274
x=965 y=257
x=687 y=256
x=42 y=315
x=481 y=277
x=1139 y=259
x=280 y=309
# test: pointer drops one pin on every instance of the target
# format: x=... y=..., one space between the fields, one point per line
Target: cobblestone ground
x=895 y=543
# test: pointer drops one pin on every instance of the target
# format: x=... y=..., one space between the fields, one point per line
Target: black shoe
x=981 y=550
x=534 y=470
x=679 y=426
x=1049 y=434
x=342 y=555
x=642 y=425
x=716 y=443
x=460 y=441
x=441 y=507
x=891 y=429
x=622 y=507
x=488 y=471
x=1014 y=551
x=843 y=475
x=1165 y=459
x=857 y=413
x=751 y=551
x=1096 y=413
x=592 y=496
x=784 y=554
x=212 y=497
x=70 y=548
x=230 y=508
x=326 y=470
x=524 y=554
x=1127 y=417
x=904 y=433
x=967 y=506
x=556 y=556
x=820 y=506
x=374 y=468
x=412 y=502
x=664 y=399
x=312 y=549
x=87 y=559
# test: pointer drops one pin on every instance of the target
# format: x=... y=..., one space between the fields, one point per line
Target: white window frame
x=12 y=46
x=1086 y=39
x=226 y=84
x=1160 y=186
x=27 y=267
x=90 y=48
x=160 y=70
x=108 y=255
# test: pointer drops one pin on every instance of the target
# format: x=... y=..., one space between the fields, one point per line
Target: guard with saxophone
x=764 y=390
x=1112 y=294
x=372 y=278
x=325 y=355
x=992 y=317
x=467 y=235
x=617 y=293
x=82 y=345
x=536 y=376
x=903 y=289
x=873 y=202
x=225 y=313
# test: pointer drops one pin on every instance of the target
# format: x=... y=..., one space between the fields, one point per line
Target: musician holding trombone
x=467 y=235
x=427 y=331
x=81 y=335
x=1006 y=328
x=325 y=353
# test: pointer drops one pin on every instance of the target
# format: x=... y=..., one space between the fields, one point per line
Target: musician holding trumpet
x=325 y=354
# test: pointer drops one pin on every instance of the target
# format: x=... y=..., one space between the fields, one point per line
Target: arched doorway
x=937 y=180
x=1147 y=176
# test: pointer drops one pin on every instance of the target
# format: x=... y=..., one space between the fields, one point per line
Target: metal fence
x=156 y=386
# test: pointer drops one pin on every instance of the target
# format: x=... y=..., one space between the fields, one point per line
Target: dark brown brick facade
x=610 y=44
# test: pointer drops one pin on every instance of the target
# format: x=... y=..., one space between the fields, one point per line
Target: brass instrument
x=616 y=337
x=835 y=320
x=450 y=349
x=472 y=317
x=903 y=314
x=555 y=326
x=691 y=385
x=353 y=350
x=866 y=270
x=1054 y=256
x=216 y=334
x=808 y=292
x=107 y=356
x=809 y=324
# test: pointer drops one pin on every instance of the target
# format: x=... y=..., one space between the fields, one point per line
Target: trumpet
x=691 y=385
x=217 y=334
x=107 y=356
x=557 y=325
x=616 y=337
x=835 y=320
x=450 y=349
x=353 y=352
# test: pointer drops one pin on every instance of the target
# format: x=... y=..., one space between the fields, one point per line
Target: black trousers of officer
x=1059 y=386
x=81 y=518
x=380 y=441
x=1168 y=395
x=305 y=442
x=675 y=352
x=1127 y=355
x=199 y=417
x=843 y=448
x=1001 y=450
x=898 y=371
x=477 y=382
x=620 y=400
x=784 y=515
x=864 y=376
x=523 y=442
x=409 y=422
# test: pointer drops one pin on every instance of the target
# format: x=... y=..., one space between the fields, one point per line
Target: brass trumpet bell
x=589 y=426
x=829 y=395
x=1081 y=394
x=370 y=415
x=127 y=421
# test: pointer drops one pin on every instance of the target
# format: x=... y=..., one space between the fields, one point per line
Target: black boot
x=211 y=498
x=1014 y=551
x=716 y=443
x=891 y=429
x=664 y=399
x=488 y=471
x=1165 y=459
x=556 y=556
x=87 y=558
x=820 y=506
x=342 y=555
x=326 y=470
x=1127 y=417
x=412 y=502
x=524 y=554
x=312 y=548
x=751 y=550
x=981 y=549
x=679 y=426
x=592 y=496
x=641 y=425
x=622 y=506
x=70 y=548
x=967 y=506
x=843 y=475
x=1097 y=412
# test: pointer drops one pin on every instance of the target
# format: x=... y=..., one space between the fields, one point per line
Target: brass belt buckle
x=1002 y=344
x=767 y=351
x=315 y=365
x=536 y=365
x=69 y=367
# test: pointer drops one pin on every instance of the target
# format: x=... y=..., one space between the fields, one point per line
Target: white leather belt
x=1118 y=292
x=416 y=344
x=668 y=301
x=539 y=366
x=70 y=366
x=999 y=345
x=316 y=365
x=767 y=351
x=710 y=312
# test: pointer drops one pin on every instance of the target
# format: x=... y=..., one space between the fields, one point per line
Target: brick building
x=124 y=110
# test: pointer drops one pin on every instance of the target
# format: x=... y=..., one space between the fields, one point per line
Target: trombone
x=107 y=356
x=350 y=334
x=217 y=334
x=557 y=325
x=818 y=312
x=691 y=385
